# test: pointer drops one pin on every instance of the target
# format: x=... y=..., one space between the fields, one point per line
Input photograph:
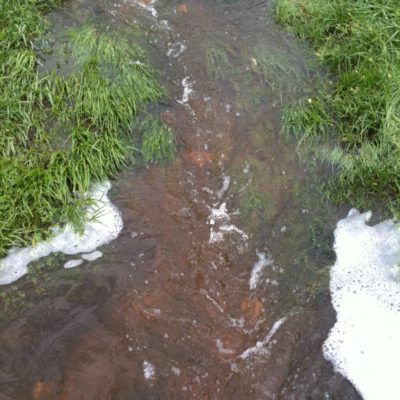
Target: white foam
x=176 y=50
x=261 y=346
x=219 y=219
x=263 y=261
x=176 y=371
x=187 y=90
x=147 y=5
x=164 y=24
x=73 y=263
x=207 y=190
x=104 y=224
x=149 y=371
x=234 y=322
x=220 y=213
x=364 y=345
x=225 y=186
x=221 y=348
x=94 y=255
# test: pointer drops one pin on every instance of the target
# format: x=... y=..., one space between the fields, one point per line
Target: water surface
x=217 y=285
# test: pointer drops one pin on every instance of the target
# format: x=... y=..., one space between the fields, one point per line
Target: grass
x=282 y=72
x=158 y=141
x=253 y=203
x=60 y=131
x=217 y=58
x=353 y=122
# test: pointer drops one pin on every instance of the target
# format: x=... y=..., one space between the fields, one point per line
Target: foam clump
x=147 y=5
x=104 y=223
x=364 y=344
x=263 y=261
x=219 y=219
x=94 y=255
x=149 y=370
x=73 y=263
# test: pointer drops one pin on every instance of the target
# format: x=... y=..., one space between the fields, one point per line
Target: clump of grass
x=257 y=207
x=359 y=42
x=158 y=142
x=253 y=202
x=59 y=133
x=217 y=58
x=282 y=73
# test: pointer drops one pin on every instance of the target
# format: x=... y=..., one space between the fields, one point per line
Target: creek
x=217 y=286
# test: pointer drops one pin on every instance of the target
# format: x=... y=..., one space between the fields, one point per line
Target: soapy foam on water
x=263 y=261
x=176 y=50
x=149 y=371
x=147 y=5
x=222 y=349
x=219 y=219
x=104 y=224
x=234 y=322
x=363 y=345
x=261 y=346
x=225 y=186
x=94 y=255
x=176 y=371
x=73 y=263
x=187 y=90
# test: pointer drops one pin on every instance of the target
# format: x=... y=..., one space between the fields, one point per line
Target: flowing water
x=217 y=287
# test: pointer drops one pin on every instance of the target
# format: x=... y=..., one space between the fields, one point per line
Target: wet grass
x=255 y=206
x=61 y=131
x=217 y=58
x=252 y=200
x=158 y=141
x=44 y=281
x=353 y=122
x=284 y=74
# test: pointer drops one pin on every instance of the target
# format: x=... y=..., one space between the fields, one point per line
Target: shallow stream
x=217 y=287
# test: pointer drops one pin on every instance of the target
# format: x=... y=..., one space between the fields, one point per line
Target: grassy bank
x=354 y=120
x=61 y=130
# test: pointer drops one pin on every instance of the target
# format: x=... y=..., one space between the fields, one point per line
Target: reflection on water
x=215 y=288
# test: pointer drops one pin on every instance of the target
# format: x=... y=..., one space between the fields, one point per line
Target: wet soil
x=168 y=311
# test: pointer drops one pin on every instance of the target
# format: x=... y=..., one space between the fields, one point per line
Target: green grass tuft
x=359 y=42
x=217 y=58
x=158 y=142
x=282 y=72
x=59 y=133
x=253 y=201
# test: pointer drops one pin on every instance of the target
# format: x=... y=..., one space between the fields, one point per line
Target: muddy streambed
x=217 y=286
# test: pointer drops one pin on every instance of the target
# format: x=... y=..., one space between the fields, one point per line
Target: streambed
x=217 y=287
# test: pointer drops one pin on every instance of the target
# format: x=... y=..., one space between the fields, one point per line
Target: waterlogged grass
x=158 y=141
x=253 y=203
x=282 y=72
x=60 y=132
x=359 y=107
x=217 y=57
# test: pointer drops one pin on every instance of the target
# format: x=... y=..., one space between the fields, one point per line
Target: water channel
x=217 y=287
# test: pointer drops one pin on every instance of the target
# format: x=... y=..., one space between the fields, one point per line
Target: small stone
x=183 y=8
